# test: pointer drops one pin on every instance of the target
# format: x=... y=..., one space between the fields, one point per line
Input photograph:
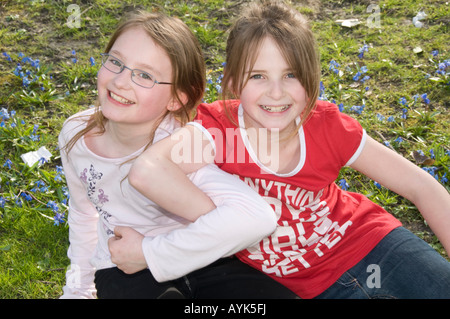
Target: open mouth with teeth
x=119 y=99
x=275 y=109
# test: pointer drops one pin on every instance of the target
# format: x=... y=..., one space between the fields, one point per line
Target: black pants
x=227 y=278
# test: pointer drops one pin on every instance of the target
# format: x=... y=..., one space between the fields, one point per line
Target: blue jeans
x=227 y=278
x=401 y=266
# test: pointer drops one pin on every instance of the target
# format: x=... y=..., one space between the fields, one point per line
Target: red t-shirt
x=322 y=230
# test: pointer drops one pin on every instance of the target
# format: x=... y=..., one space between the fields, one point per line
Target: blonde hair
x=185 y=55
x=293 y=35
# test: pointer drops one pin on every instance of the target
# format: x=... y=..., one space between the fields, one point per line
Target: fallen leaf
x=422 y=159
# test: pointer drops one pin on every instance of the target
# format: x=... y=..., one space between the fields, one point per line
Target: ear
x=175 y=104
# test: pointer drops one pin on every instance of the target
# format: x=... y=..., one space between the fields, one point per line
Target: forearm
x=221 y=233
x=433 y=202
x=411 y=182
x=242 y=218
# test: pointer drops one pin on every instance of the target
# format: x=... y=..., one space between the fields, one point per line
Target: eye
x=290 y=76
x=115 y=62
x=144 y=76
x=256 y=76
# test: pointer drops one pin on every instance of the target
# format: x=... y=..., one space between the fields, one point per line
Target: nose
x=123 y=79
x=275 y=89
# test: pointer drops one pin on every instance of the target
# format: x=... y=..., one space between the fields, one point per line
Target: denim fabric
x=227 y=278
x=401 y=266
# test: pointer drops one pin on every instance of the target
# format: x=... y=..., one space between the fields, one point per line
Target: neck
x=119 y=140
x=131 y=137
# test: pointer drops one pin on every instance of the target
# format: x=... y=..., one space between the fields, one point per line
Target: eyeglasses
x=139 y=77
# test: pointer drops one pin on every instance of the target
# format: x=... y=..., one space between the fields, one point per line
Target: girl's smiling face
x=123 y=101
x=272 y=97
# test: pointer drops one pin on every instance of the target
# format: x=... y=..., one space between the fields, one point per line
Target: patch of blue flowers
x=41 y=188
x=346 y=79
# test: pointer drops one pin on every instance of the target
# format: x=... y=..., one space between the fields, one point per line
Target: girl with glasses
x=151 y=80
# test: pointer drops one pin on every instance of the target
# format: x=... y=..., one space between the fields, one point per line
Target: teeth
x=120 y=99
x=275 y=109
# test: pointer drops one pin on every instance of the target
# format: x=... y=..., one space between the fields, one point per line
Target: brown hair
x=293 y=35
x=185 y=55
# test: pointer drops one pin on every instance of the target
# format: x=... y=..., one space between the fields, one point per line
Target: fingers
x=118 y=231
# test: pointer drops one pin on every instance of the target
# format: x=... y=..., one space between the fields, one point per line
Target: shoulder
x=334 y=132
x=329 y=114
x=75 y=123
x=168 y=125
x=220 y=111
x=325 y=108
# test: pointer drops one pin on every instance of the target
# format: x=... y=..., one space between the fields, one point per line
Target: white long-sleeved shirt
x=101 y=198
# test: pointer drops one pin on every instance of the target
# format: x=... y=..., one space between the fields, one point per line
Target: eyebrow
x=140 y=66
x=263 y=71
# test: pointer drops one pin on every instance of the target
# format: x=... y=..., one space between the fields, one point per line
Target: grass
x=394 y=90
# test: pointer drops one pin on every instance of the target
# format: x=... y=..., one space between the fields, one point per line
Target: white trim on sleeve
x=205 y=132
x=359 y=150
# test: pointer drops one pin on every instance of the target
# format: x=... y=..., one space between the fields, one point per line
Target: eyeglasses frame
x=132 y=71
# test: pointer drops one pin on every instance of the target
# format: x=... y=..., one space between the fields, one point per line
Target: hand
x=126 y=250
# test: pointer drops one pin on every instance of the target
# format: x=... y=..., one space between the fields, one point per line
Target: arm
x=408 y=180
x=161 y=171
x=82 y=220
x=242 y=218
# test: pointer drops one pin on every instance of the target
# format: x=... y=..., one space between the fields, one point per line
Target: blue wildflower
x=399 y=140
x=404 y=113
x=365 y=78
x=364 y=48
x=7 y=164
x=358 y=108
x=357 y=75
x=4 y=114
x=333 y=66
x=92 y=61
x=7 y=56
x=432 y=153
x=2 y=202
x=425 y=98
x=42 y=160
x=54 y=207
x=18 y=202
x=58 y=219
x=343 y=184
x=403 y=101
x=26 y=196
x=377 y=185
